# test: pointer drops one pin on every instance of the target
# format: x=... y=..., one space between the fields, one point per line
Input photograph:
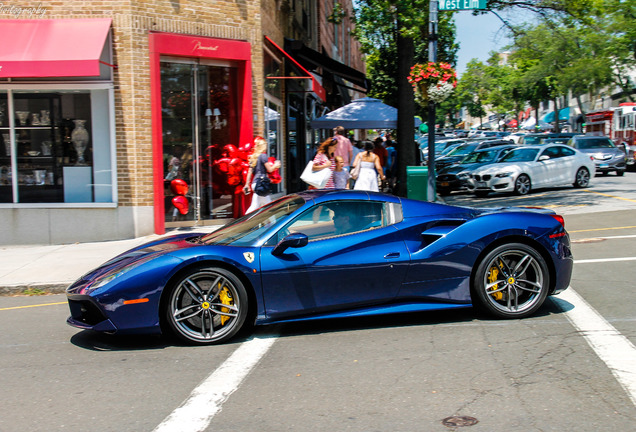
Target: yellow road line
x=602 y=229
x=608 y=195
x=31 y=306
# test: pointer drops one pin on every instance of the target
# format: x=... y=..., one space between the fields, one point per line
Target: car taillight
x=559 y=219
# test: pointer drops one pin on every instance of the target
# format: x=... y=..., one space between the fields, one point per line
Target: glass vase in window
x=79 y=138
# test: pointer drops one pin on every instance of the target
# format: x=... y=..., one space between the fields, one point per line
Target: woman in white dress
x=370 y=168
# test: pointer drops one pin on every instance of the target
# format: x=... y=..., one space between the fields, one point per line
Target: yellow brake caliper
x=492 y=277
x=226 y=299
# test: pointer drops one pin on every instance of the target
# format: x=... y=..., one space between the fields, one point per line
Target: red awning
x=52 y=47
x=315 y=85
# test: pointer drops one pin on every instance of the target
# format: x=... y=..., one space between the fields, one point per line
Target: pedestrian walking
x=370 y=169
x=344 y=149
x=259 y=168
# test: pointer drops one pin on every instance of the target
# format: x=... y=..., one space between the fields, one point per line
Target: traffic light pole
x=432 y=57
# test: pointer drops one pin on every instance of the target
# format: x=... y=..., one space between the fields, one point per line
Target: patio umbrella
x=364 y=113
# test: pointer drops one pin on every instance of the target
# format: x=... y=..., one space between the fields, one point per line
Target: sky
x=477 y=36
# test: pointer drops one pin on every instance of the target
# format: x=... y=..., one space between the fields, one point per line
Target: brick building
x=104 y=104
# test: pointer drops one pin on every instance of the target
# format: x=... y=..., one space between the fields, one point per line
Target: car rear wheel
x=512 y=281
x=522 y=185
x=206 y=305
x=582 y=178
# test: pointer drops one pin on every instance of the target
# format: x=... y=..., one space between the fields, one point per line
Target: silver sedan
x=531 y=167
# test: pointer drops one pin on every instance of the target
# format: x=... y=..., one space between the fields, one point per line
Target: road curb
x=23 y=289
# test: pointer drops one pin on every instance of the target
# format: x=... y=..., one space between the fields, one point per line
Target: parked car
x=463 y=150
x=515 y=137
x=530 y=167
x=562 y=140
x=440 y=145
x=328 y=254
x=455 y=177
x=607 y=156
x=535 y=138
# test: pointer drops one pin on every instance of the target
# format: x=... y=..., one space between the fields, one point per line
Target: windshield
x=532 y=139
x=520 y=155
x=245 y=230
x=463 y=149
x=594 y=143
x=480 y=156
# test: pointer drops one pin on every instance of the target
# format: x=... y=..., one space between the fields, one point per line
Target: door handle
x=392 y=255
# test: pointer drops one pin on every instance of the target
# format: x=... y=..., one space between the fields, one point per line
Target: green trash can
x=417 y=182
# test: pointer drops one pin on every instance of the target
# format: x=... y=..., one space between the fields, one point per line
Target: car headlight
x=110 y=276
x=503 y=174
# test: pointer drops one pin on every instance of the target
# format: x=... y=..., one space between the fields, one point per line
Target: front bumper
x=490 y=183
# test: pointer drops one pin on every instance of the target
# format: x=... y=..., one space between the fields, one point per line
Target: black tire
x=206 y=305
x=481 y=194
x=444 y=191
x=620 y=173
x=523 y=185
x=582 y=178
x=512 y=281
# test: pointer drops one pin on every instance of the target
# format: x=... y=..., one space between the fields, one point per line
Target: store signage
x=462 y=4
x=199 y=46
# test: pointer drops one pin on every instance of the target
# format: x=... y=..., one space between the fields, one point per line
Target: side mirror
x=295 y=240
x=543 y=158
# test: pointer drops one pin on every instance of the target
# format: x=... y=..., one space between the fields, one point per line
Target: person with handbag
x=367 y=168
x=324 y=160
x=257 y=179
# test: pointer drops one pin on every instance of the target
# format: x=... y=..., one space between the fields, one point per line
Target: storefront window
x=57 y=146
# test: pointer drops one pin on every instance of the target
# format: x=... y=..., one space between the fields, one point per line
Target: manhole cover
x=457 y=421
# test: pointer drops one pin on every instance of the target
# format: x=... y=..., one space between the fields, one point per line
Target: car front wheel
x=522 y=185
x=206 y=305
x=512 y=281
x=582 y=178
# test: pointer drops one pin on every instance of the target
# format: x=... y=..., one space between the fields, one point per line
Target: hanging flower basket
x=432 y=82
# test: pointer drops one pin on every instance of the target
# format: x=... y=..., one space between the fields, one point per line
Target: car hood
x=456 y=169
x=602 y=151
x=501 y=167
x=144 y=252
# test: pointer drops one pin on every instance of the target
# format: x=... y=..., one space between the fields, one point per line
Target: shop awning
x=564 y=114
x=312 y=59
x=52 y=47
x=315 y=85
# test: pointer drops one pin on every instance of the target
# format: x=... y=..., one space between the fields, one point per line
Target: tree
x=394 y=34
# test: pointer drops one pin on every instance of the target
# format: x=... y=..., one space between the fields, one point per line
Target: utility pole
x=432 y=57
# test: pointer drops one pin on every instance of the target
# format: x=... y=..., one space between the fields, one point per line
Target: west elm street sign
x=461 y=4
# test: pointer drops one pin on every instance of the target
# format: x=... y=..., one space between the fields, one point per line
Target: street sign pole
x=432 y=57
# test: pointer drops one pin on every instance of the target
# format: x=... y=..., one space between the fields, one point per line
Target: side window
x=565 y=151
x=553 y=152
x=342 y=218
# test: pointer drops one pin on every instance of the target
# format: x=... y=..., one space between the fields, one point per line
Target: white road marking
x=614 y=349
x=196 y=413
x=602 y=260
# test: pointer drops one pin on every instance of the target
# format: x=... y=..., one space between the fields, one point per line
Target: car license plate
x=481 y=184
x=604 y=165
x=445 y=184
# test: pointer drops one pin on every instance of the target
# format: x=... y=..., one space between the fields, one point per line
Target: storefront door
x=200 y=138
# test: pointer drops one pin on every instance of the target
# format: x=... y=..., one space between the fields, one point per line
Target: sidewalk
x=51 y=268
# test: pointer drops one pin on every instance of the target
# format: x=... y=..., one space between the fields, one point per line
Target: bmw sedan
x=531 y=167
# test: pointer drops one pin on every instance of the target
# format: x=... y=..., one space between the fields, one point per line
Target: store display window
x=56 y=146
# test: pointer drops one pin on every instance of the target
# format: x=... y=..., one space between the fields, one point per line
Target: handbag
x=262 y=185
x=317 y=179
x=355 y=172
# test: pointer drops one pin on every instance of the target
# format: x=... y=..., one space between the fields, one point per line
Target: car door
x=568 y=161
x=344 y=265
x=546 y=171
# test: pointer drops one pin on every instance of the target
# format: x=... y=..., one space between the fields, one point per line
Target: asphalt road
x=391 y=373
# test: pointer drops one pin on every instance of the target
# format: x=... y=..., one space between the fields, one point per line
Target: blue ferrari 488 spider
x=325 y=254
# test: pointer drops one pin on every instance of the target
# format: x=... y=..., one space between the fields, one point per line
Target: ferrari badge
x=249 y=257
